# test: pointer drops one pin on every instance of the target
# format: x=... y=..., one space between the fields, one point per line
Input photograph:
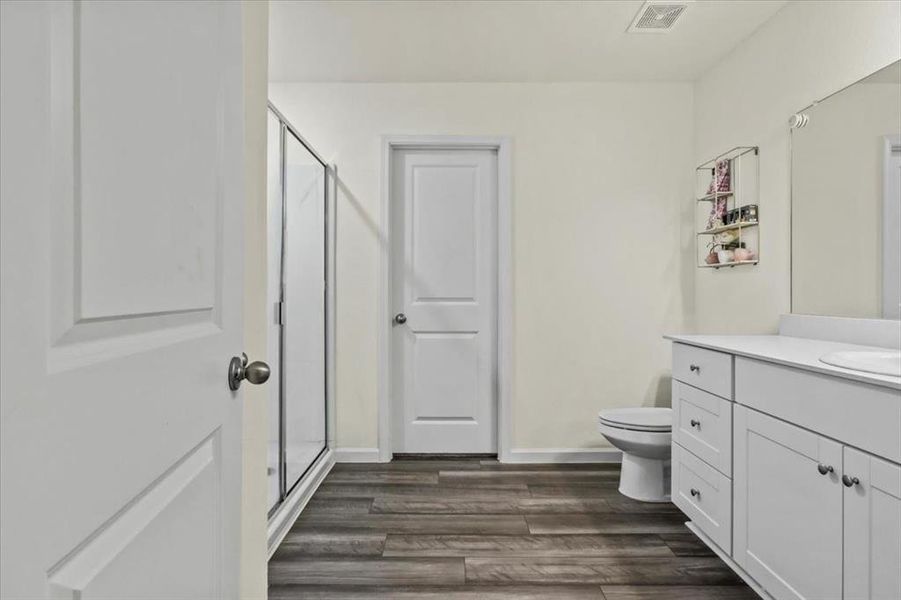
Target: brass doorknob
x=256 y=372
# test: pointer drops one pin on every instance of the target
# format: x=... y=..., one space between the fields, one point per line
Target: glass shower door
x=297 y=321
x=303 y=328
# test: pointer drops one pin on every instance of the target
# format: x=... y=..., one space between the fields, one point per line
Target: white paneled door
x=122 y=194
x=444 y=265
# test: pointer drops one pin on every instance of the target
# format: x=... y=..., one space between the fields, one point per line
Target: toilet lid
x=647 y=419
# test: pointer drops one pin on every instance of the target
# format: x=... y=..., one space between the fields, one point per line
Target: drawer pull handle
x=695 y=423
x=696 y=493
x=825 y=469
x=695 y=368
x=850 y=481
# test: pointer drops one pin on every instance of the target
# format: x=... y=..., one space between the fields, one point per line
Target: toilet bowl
x=644 y=436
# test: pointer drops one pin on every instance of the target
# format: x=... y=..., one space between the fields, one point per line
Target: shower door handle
x=256 y=372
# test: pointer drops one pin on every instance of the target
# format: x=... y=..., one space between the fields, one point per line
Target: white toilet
x=644 y=435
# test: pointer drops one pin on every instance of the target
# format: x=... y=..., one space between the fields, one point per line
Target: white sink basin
x=887 y=362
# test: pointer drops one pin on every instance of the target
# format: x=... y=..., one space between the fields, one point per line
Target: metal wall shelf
x=744 y=175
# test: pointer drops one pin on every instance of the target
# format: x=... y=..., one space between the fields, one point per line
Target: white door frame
x=504 y=348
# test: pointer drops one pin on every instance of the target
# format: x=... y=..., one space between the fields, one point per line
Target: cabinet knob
x=850 y=481
x=825 y=469
x=696 y=493
x=695 y=423
x=695 y=368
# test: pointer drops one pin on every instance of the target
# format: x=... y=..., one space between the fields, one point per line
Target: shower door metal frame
x=285 y=128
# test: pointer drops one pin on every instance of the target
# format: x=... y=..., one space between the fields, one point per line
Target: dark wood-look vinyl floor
x=473 y=529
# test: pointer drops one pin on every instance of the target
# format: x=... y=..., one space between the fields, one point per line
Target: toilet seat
x=638 y=419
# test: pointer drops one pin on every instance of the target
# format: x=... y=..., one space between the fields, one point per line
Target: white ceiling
x=500 y=40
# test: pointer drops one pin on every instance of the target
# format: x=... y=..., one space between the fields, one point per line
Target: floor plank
x=517 y=506
x=608 y=489
x=418 y=477
x=606 y=523
x=425 y=524
x=469 y=592
x=686 y=544
x=340 y=506
x=368 y=571
x=678 y=592
x=408 y=465
x=526 y=545
x=620 y=571
x=545 y=477
x=494 y=465
x=300 y=543
x=346 y=490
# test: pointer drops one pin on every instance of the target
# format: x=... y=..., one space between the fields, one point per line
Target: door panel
x=787 y=528
x=872 y=528
x=122 y=194
x=443 y=236
x=444 y=264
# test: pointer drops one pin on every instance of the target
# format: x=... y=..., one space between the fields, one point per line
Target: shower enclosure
x=297 y=274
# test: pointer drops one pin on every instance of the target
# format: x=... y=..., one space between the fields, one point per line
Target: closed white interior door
x=444 y=265
x=122 y=198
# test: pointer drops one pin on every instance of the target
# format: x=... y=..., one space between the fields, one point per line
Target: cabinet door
x=872 y=527
x=788 y=516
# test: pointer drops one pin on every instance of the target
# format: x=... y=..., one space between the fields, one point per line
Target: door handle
x=850 y=481
x=256 y=372
x=825 y=469
x=400 y=318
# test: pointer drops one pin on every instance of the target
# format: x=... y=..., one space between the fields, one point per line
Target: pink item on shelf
x=717 y=212
x=743 y=254
x=722 y=177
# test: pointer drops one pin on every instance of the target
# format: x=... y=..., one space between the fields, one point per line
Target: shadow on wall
x=659 y=392
x=371 y=225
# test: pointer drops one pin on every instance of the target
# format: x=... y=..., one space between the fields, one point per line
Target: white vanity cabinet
x=791 y=474
x=872 y=527
x=788 y=507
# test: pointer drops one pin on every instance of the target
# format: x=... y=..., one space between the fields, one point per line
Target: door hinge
x=279 y=313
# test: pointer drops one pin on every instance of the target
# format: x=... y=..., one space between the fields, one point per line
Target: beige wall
x=807 y=51
x=601 y=236
x=253 y=500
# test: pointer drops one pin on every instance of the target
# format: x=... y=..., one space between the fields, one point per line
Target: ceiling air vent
x=657 y=17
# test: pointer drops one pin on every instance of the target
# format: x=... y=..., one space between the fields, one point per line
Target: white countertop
x=802 y=353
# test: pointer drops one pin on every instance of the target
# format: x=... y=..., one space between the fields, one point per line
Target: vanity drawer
x=702 y=424
x=705 y=369
x=704 y=495
x=855 y=413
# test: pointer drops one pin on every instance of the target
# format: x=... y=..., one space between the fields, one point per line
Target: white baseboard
x=282 y=521
x=563 y=455
x=357 y=455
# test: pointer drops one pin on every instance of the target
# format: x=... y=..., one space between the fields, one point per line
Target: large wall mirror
x=846 y=201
